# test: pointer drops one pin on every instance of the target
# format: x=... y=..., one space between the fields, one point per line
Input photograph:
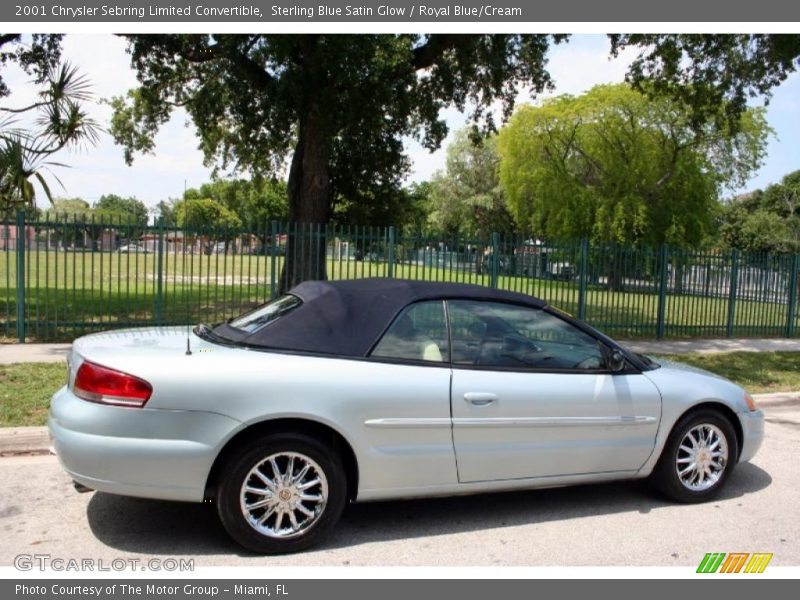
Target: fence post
x=661 y=324
x=390 y=256
x=495 y=260
x=160 y=274
x=583 y=276
x=792 y=304
x=732 y=293
x=21 y=238
x=273 y=260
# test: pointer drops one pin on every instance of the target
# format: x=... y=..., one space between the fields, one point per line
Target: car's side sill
x=479 y=487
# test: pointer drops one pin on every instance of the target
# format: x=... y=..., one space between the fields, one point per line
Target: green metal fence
x=64 y=277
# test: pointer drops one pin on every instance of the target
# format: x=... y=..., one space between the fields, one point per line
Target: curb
x=16 y=441
x=24 y=440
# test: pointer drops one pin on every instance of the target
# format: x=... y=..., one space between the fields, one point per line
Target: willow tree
x=339 y=105
x=617 y=166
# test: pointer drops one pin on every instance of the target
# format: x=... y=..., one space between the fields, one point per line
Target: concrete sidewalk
x=18 y=353
x=712 y=346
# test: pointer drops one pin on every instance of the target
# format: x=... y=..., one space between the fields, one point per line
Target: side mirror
x=615 y=361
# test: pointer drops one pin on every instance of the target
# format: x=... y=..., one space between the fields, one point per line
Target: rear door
x=531 y=397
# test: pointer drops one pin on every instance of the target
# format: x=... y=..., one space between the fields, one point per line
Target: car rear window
x=265 y=314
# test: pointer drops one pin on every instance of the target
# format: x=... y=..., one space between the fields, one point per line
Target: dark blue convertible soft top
x=346 y=318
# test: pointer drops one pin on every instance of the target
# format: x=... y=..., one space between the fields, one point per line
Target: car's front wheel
x=698 y=457
x=282 y=494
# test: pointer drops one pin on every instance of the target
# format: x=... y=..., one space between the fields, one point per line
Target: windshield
x=265 y=314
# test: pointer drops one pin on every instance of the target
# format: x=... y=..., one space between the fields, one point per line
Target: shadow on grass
x=156 y=527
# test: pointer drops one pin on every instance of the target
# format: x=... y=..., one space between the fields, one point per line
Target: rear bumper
x=753 y=433
x=149 y=453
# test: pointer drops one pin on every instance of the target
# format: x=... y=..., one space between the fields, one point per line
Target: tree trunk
x=614 y=269
x=309 y=204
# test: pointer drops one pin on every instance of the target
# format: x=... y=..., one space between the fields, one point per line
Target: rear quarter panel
x=251 y=386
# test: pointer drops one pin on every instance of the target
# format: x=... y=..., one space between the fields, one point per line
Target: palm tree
x=57 y=120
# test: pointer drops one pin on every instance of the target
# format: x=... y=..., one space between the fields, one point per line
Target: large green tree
x=466 y=197
x=74 y=213
x=764 y=220
x=614 y=165
x=122 y=209
x=708 y=71
x=206 y=214
x=339 y=104
x=255 y=201
x=165 y=212
x=404 y=207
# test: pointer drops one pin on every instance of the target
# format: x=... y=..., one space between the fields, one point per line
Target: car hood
x=677 y=381
x=679 y=366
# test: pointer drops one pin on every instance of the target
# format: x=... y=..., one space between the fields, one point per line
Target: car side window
x=493 y=334
x=419 y=333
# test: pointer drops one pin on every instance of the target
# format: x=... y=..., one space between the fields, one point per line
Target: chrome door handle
x=480 y=398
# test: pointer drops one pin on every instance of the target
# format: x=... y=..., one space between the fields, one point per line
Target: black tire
x=665 y=477
x=239 y=470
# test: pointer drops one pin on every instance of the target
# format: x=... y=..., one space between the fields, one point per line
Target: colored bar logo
x=734 y=562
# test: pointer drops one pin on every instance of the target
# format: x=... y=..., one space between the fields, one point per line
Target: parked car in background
x=379 y=389
x=133 y=249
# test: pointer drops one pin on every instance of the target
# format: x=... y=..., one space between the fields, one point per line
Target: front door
x=530 y=397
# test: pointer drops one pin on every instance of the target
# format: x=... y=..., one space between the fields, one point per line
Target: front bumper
x=149 y=453
x=753 y=433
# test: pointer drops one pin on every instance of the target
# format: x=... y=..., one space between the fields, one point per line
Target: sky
x=177 y=162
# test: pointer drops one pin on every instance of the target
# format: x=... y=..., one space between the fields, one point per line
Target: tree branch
x=430 y=51
x=240 y=60
x=5 y=38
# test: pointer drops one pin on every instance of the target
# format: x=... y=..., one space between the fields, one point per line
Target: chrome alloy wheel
x=702 y=457
x=284 y=495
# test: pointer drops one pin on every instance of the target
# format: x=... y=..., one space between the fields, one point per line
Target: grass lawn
x=27 y=387
x=25 y=390
x=72 y=293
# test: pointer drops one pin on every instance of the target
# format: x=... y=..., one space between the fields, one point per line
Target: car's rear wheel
x=282 y=494
x=699 y=455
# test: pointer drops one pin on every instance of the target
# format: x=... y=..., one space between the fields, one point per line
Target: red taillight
x=96 y=383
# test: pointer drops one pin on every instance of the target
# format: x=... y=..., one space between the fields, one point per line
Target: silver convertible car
x=379 y=389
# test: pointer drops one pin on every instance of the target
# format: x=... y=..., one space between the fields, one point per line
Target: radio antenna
x=188 y=302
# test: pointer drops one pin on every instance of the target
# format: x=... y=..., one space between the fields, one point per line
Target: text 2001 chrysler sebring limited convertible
x=376 y=389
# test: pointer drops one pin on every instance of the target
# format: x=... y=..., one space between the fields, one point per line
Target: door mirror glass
x=616 y=361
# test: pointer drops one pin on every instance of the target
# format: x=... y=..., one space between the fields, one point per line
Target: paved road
x=613 y=524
